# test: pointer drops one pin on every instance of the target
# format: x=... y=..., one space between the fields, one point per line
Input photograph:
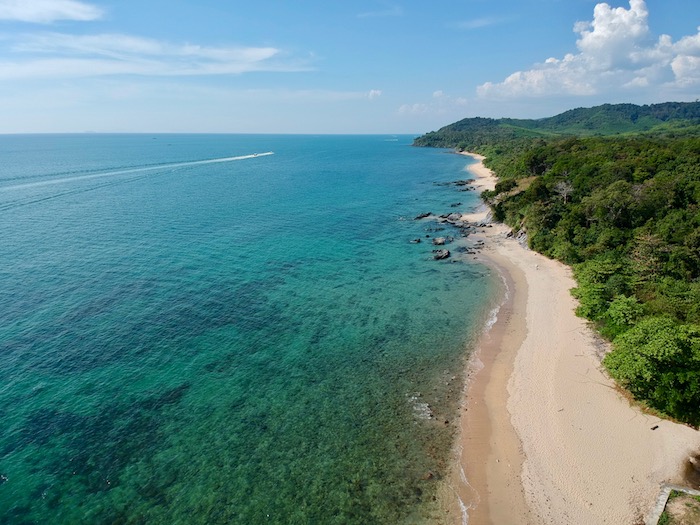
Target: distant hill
x=605 y=120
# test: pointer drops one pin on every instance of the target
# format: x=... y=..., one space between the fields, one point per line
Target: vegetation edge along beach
x=613 y=193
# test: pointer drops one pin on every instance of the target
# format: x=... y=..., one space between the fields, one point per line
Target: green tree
x=623 y=312
x=658 y=360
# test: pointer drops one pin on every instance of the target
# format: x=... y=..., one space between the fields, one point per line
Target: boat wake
x=135 y=170
x=140 y=172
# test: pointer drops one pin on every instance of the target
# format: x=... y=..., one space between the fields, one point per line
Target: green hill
x=605 y=120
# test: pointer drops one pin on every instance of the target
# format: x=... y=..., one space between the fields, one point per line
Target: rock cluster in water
x=454 y=219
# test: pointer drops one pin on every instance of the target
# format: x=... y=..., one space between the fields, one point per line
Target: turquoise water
x=247 y=341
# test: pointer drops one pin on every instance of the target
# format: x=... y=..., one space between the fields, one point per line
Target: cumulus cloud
x=374 y=93
x=62 y=55
x=616 y=51
x=47 y=11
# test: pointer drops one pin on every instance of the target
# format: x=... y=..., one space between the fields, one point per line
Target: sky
x=330 y=66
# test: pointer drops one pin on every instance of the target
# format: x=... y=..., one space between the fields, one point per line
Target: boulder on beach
x=439 y=241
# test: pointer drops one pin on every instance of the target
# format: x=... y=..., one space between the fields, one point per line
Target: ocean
x=225 y=329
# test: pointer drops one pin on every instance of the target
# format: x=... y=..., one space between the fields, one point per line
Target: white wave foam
x=420 y=409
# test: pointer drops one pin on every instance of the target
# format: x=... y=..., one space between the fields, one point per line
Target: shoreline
x=544 y=434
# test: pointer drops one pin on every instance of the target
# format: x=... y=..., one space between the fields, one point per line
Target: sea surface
x=218 y=329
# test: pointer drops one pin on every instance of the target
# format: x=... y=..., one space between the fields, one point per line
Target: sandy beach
x=545 y=435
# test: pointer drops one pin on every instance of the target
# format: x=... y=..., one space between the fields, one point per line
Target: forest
x=614 y=192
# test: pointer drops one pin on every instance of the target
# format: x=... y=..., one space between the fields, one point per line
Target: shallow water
x=252 y=340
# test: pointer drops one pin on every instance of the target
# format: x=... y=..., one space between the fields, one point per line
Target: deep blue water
x=245 y=341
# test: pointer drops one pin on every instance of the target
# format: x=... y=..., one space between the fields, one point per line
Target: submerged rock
x=422 y=216
x=439 y=241
x=415 y=241
x=441 y=254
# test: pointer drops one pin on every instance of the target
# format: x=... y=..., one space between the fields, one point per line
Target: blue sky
x=311 y=66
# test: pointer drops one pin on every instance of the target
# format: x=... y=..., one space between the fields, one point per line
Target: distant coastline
x=545 y=437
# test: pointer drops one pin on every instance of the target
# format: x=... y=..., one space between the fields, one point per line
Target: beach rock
x=422 y=216
x=439 y=241
x=441 y=254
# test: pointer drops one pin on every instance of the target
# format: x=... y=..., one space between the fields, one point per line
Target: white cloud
x=374 y=93
x=616 y=51
x=441 y=104
x=478 y=23
x=49 y=55
x=47 y=11
x=414 y=109
x=389 y=11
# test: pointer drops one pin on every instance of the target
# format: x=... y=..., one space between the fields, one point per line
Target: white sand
x=586 y=456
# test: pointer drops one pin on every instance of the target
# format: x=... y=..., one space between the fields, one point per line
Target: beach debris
x=422 y=215
x=655 y=427
x=441 y=254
